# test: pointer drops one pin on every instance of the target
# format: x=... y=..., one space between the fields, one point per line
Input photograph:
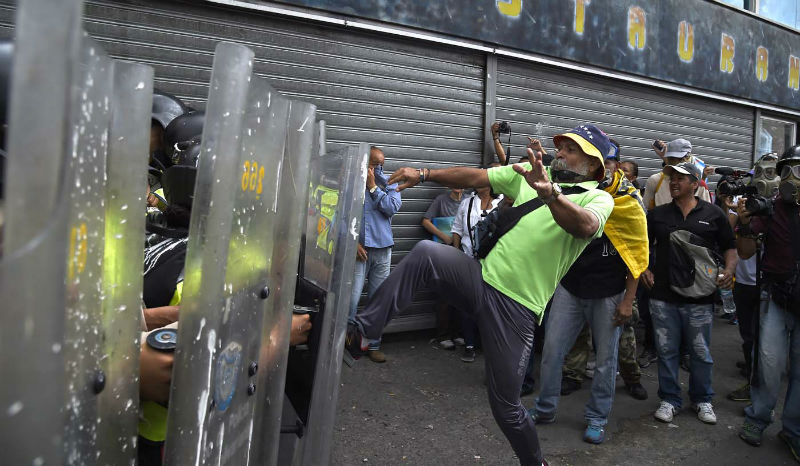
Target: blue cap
x=591 y=140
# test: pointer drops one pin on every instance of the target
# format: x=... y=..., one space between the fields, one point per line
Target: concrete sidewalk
x=426 y=407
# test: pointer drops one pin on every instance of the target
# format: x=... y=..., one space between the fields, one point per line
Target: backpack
x=694 y=267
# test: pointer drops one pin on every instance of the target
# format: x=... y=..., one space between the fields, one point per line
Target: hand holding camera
x=660 y=148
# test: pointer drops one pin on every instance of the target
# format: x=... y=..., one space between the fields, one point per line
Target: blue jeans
x=779 y=339
x=673 y=323
x=375 y=270
x=568 y=315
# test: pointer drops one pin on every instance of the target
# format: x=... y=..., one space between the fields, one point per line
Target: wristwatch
x=373 y=189
x=556 y=191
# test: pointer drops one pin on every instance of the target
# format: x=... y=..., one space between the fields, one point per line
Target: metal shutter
x=542 y=102
x=421 y=104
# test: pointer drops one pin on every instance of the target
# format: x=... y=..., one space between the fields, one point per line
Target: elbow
x=588 y=229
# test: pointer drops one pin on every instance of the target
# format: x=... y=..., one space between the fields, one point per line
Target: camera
x=658 y=145
x=732 y=184
x=758 y=206
x=504 y=128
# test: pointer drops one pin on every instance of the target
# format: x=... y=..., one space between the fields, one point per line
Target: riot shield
x=59 y=348
x=126 y=171
x=229 y=288
x=336 y=201
x=34 y=241
x=292 y=203
x=85 y=233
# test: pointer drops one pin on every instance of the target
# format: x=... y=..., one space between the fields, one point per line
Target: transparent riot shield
x=126 y=172
x=33 y=263
x=231 y=281
x=336 y=201
x=291 y=208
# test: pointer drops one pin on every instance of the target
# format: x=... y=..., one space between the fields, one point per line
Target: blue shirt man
x=374 y=257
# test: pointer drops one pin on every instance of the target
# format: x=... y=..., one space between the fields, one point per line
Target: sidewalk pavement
x=427 y=407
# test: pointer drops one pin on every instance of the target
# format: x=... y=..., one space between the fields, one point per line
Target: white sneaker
x=459 y=341
x=705 y=412
x=665 y=412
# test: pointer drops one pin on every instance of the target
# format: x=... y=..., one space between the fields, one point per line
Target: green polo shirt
x=527 y=263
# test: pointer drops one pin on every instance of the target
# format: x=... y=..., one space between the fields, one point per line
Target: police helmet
x=183 y=138
x=792 y=154
x=166 y=107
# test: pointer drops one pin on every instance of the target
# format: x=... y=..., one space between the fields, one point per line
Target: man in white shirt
x=656 y=191
x=471 y=211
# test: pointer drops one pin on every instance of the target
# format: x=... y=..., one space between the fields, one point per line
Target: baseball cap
x=687 y=168
x=591 y=140
x=678 y=149
x=613 y=150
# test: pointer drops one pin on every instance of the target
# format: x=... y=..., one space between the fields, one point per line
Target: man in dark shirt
x=598 y=290
x=676 y=317
x=779 y=339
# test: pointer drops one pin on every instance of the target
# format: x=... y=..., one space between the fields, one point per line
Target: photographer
x=777 y=221
x=497 y=129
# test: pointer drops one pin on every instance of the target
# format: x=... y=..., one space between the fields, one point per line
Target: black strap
x=513 y=215
x=469 y=221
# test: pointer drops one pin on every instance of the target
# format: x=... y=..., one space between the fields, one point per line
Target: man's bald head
x=376 y=156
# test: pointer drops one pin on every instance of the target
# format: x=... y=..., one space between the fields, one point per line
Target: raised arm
x=574 y=219
x=498 y=146
x=456 y=177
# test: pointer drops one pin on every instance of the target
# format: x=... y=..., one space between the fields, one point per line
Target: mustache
x=562 y=173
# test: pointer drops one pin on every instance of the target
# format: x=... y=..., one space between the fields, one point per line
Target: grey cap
x=687 y=168
x=678 y=148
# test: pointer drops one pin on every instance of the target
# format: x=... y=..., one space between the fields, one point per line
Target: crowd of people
x=580 y=254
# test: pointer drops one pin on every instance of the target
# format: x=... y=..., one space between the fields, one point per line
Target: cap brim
x=585 y=145
x=671 y=168
x=676 y=155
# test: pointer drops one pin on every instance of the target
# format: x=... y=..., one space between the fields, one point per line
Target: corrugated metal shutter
x=419 y=103
x=542 y=102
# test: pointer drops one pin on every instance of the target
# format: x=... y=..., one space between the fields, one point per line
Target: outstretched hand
x=405 y=177
x=536 y=177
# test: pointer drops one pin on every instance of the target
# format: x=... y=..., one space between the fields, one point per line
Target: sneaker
x=665 y=412
x=734 y=321
x=636 y=390
x=354 y=342
x=751 y=434
x=459 y=341
x=705 y=412
x=539 y=418
x=685 y=362
x=740 y=394
x=647 y=357
x=445 y=344
x=469 y=354
x=594 y=434
x=569 y=385
x=792 y=442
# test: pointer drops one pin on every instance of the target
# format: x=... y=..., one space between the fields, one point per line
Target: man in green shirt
x=507 y=291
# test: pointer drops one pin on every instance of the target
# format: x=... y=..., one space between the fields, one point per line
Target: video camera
x=732 y=184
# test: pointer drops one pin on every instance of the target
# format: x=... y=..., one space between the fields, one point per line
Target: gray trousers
x=506 y=329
